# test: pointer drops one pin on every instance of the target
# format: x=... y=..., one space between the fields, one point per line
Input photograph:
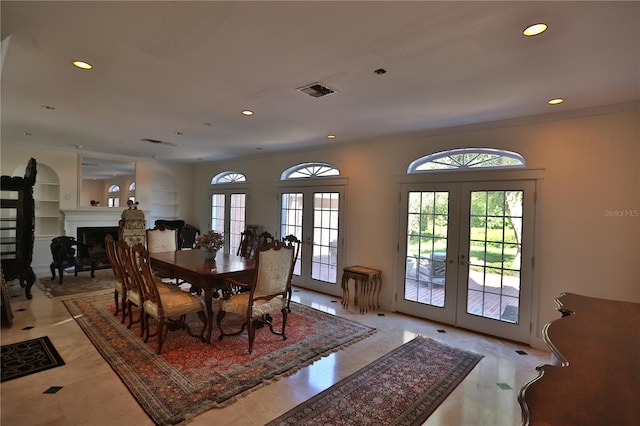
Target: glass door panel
x=314 y=216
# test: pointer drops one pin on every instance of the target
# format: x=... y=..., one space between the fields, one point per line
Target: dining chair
x=292 y=240
x=162 y=239
x=264 y=239
x=133 y=292
x=247 y=244
x=267 y=294
x=120 y=290
x=168 y=305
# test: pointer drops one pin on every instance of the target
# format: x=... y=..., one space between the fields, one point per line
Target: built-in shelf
x=46 y=195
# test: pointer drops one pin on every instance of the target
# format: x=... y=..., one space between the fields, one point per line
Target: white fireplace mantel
x=91 y=217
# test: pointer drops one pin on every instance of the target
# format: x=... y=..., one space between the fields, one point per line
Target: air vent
x=158 y=142
x=316 y=90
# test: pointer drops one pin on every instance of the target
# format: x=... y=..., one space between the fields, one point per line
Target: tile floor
x=93 y=394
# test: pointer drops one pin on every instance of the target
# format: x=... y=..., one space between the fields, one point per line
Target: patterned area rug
x=83 y=283
x=401 y=388
x=28 y=357
x=191 y=377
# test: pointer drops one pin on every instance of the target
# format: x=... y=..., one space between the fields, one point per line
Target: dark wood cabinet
x=594 y=378
x=17 y=222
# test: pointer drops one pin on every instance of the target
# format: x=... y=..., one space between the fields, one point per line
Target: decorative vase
x=209 y=254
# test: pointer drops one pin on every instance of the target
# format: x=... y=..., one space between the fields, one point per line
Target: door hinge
x=535 y=197
x=533 y=261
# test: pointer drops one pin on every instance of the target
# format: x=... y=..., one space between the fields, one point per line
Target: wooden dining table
x=207 y=275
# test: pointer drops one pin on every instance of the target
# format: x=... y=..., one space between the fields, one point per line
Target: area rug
x=28 y=357
x=71 y=285
x=191 y=377
x=401 y=388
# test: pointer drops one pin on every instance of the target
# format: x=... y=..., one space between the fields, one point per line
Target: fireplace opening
x=93 y=237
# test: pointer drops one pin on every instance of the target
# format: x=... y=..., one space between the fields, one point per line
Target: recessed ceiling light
x=179 y=133
x=534 y=29
x=82 y=65
x=331 y=136
x=247 y=112
x=555 y=101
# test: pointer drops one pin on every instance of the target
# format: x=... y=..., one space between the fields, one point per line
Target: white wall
x=590 y=167
x=65 y=164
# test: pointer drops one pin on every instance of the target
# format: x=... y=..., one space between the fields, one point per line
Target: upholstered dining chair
x=267 y=294
x=134 y=294
x=162 y=239
x=163 y=303
x=120 y=290
x=292 y=240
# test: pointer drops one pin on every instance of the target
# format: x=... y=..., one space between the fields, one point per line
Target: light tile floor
x=92 y=393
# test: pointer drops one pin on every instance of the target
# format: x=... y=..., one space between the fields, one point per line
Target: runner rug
x=191 y=377
x=401 y=388
x=28 y=357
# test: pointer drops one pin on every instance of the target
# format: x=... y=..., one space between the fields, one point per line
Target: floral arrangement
x=212 y=240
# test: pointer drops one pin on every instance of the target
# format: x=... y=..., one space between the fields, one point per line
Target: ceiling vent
x=316 y=90
x=158 y=142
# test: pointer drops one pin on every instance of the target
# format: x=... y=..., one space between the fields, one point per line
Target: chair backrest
x=188 y=237
x=162 y=240
x=123 y=252
x=247 y=244
x=264 y=239
x=292 y=240
x=112 y=255
x=274 y=266
x=62 y=249
x=143 y=275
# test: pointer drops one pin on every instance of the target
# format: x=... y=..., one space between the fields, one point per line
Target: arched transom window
x=466 y=158
x=309 y=170
x=228 y=177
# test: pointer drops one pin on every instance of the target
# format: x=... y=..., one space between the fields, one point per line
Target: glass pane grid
x=237 y=221
x=291 y=221
x=494 y=254
x=426 y=247
x=325 y=237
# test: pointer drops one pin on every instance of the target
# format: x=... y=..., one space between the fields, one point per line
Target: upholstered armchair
x=267 y=295
x=66 y=253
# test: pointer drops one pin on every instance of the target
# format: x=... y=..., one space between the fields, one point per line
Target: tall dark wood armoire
x=17 y=223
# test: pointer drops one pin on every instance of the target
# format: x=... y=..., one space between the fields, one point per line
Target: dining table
x=206 y=275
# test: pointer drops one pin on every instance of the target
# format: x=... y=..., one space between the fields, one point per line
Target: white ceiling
x=191 y=67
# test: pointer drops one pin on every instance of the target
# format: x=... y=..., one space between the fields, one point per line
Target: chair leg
x=116 y=297
x=160 y=336
x=219 y=318
x=251 y=331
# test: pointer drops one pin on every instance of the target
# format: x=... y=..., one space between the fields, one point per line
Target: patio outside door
x=314 y=215
x=468 y=255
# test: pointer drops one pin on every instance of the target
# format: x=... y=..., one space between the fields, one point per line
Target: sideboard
x=594 y=378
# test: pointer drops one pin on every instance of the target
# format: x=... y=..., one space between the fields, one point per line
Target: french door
x=468 y=253
x=314 y=214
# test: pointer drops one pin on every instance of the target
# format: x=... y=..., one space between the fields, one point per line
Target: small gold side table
x=367 y=287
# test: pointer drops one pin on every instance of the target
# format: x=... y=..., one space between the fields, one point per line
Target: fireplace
x=93 y=237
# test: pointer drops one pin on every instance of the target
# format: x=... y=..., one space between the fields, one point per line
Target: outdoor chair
x=169 y=306
x=267 y=294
